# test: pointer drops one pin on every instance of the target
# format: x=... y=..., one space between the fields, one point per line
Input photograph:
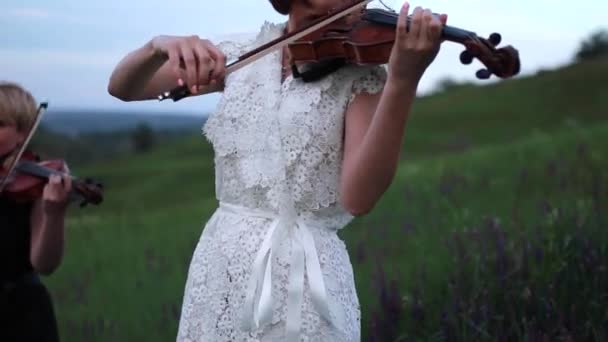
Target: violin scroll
x=90 y=190
x=502 y=62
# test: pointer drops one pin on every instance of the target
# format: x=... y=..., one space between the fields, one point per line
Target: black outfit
x=26 y=309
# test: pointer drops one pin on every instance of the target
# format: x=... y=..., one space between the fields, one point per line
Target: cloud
x=53 y=58
x=26 y=13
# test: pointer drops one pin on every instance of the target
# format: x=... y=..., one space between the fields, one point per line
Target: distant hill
x=493 y=229
x=73 y=122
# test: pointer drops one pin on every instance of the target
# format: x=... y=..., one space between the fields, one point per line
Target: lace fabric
x=270 y=137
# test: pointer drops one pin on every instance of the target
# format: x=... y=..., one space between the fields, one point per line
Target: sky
x=65 y=50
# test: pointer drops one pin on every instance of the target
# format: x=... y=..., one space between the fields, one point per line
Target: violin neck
x=450 y=33
x=33 y=169
x=81 y=189
x=457 y=35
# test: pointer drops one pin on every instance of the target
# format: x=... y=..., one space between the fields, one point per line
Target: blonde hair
x=17 y=105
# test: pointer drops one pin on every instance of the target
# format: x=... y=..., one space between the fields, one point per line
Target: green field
x=496 y=222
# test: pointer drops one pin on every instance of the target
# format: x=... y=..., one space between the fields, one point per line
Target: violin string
x=392 y=13
x=469 y=35
x=387 y=7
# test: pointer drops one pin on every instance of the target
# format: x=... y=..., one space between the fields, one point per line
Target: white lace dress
x=269 y=265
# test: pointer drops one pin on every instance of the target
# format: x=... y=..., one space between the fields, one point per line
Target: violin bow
x=39 y=113
x=274 y=45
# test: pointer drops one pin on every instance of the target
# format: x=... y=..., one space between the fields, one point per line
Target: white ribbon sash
x=258 y=302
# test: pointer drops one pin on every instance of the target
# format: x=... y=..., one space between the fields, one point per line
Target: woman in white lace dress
x=295 y=162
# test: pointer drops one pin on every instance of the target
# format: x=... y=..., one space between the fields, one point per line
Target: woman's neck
x=7 y=158
x=293 y=23
x=302 y=13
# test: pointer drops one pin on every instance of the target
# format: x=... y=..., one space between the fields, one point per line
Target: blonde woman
x=32 y=233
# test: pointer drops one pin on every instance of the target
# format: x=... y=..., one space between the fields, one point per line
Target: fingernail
x=180 y=81
x=194 y=89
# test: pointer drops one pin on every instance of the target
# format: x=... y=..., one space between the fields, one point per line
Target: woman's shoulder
x=357 y=72
x=358 y=78
x=235 y=44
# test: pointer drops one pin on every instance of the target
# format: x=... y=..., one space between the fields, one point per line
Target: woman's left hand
x=56 y=193
x=415 y=49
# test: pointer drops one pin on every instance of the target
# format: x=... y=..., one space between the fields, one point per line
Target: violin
x=369 y=41
x=30 y=175
x=26 y=176
x=327 y=44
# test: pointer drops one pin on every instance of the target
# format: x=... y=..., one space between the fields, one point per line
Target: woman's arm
x=47 y=226
x=166 y=62
x=374 y=130
x=375 y=124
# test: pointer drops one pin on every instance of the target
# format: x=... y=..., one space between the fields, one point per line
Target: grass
x=505 y=155
x=435 y=227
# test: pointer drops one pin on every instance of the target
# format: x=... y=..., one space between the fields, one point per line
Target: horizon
x=127 y=110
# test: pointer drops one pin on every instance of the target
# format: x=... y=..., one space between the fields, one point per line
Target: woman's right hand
x=197 y=62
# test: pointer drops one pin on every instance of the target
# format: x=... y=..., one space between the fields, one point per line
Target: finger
x=219 y=70
x=50 y=189
x=205 y=64
x=416 y=23
x=67 y=183
x=427 y=16
x=425 y=30
x=442 y=19
x=190 y=65
x=402 y=23
x=66 y=168
x=54 y=179
x=436 y=29
x=174 y=60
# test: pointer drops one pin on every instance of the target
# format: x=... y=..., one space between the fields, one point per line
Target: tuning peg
x=483 y=74
x=495 y=39
x=466 y=57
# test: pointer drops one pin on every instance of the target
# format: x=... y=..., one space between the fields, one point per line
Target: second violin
x=24 y=180
x=30 y=175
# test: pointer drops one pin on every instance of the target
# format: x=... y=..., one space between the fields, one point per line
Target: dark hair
x=281 y=6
